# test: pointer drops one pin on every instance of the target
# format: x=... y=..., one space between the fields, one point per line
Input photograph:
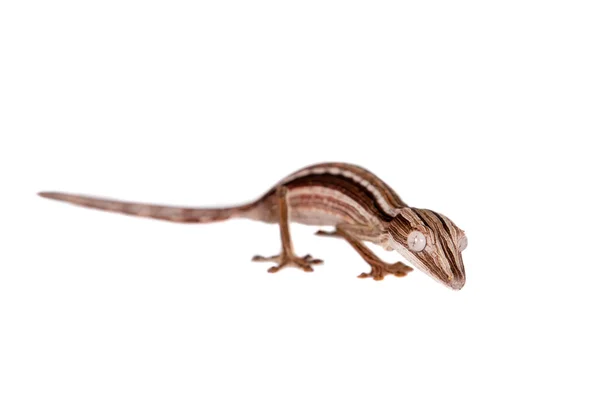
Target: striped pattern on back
x=330 y=193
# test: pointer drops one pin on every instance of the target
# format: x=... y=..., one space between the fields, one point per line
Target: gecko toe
x=258 y=258
x=309 y=259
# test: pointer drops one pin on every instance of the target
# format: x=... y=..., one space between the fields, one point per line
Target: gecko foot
x=378 y=272
x=285 y=260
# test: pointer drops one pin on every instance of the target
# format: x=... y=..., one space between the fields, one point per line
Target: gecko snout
x=457 y=282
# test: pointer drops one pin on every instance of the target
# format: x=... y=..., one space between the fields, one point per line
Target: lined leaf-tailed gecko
x=359 y=205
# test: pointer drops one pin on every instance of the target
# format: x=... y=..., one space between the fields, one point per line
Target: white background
x=484 y=111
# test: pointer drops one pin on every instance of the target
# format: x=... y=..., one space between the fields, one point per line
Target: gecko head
x=432 y=243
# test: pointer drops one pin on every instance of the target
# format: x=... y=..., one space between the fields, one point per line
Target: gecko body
x=359 y=205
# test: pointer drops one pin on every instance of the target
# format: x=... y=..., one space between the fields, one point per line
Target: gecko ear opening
x=416 y=241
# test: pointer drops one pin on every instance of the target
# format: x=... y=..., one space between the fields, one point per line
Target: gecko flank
x=359 y=205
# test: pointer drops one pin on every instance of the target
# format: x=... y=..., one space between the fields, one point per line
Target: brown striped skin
x=331 y=194
x=441 y=258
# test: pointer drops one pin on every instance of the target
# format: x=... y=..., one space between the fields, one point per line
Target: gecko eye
x=416 y=241
x=462 y=243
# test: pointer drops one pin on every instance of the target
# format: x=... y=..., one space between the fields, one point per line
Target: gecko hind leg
x=287 y=257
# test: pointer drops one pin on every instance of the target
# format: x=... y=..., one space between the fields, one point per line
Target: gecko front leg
x=287 y=257
x=379 y=268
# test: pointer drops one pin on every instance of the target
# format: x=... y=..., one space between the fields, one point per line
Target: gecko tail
x=165 y=213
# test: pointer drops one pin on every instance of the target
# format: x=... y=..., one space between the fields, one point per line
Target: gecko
x=357 y=204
